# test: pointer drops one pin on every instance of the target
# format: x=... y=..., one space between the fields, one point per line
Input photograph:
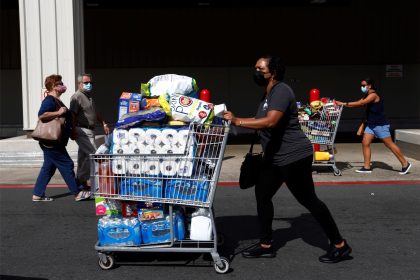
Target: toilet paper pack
x=150 y=167
x=120 y=136
x=119 y=165
x=169 y=167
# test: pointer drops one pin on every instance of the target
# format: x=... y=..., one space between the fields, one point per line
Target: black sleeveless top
x=375 y=113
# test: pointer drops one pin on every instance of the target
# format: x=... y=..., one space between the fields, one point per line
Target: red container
x=314 y=95
x=106 y=178
x=205 y=95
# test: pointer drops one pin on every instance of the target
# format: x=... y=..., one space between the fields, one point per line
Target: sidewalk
x=348 y=159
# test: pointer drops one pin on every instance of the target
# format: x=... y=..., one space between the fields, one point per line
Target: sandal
x=83 y=195
x=42 y=199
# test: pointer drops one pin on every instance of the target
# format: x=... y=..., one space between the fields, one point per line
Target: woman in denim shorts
x=377 y=126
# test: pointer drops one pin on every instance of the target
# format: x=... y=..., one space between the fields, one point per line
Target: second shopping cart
x=321 y=129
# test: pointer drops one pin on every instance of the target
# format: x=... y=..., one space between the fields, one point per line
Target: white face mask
x=364 y=89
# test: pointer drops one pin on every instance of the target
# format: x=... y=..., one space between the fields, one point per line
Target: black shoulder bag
x=250 y=168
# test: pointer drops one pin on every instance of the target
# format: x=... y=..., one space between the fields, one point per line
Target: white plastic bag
x=170 y=84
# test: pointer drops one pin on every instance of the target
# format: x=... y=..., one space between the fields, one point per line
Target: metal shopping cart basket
x=184 y=179
x=323 y=131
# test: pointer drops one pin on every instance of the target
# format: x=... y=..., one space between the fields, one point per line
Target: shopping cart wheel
x=337 y=172
x=224 y=267
x=106 y=262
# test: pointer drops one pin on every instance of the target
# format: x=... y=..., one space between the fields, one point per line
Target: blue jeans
x=54 y=158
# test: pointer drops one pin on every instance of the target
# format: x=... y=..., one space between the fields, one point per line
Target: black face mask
x=259 y=78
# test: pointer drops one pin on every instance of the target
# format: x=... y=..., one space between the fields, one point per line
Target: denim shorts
x=380 y=131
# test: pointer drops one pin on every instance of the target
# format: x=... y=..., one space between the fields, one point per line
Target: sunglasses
x=85 y=83
x=59 y=84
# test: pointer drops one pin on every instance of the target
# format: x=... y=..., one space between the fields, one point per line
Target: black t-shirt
x=286 y=142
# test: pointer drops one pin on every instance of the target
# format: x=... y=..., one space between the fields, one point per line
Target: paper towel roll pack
x=120 y=136
x=150 y=167
x=153 y=141
x=119 y=166
x=169 y=167
x=136 y=135
x=185 y=168
x=134 y=166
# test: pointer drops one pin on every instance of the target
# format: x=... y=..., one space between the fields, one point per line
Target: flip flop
x=42 y=199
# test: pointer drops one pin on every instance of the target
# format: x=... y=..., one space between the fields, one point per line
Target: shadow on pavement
x=241 y=232
x=382 y=165
x=341 y=165
x=61 y=195
x=10 y=277
x=161 y=259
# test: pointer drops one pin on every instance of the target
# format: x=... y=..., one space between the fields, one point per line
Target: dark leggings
x=298 y=178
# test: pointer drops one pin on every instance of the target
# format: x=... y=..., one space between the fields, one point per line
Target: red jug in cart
x=106 y=178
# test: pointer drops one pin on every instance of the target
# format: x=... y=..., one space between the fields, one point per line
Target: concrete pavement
x=348 y=159
x=381 y=222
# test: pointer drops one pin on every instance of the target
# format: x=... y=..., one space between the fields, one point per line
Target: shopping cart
x=323 y=131
x=194 y=187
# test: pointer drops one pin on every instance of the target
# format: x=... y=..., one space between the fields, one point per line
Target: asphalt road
x=381 y=222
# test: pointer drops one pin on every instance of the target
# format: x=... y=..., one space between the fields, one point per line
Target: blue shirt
x=51 y=104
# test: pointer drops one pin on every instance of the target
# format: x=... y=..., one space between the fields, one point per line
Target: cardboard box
x=129 y=102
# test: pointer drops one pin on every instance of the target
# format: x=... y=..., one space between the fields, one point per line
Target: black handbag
x=250 y=168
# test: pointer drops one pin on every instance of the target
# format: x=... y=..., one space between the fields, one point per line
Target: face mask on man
x=364 y=89
x=61 y=88
x=87 y=87
x=259 y=78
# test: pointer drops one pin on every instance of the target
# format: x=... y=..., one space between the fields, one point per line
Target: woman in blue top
x=377 y=125
x=287 y=159
x=56 y=156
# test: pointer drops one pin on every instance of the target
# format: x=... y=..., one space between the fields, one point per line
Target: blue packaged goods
x=134 y=119
x=187 y=190
x=129 y=102
x=141 y=187
x=159 y=231
x=119 y=231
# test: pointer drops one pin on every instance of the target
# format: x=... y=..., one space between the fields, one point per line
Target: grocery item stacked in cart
x=164 y=151
x=318 y=119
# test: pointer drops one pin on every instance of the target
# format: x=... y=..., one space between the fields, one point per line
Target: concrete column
x=51 y=42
